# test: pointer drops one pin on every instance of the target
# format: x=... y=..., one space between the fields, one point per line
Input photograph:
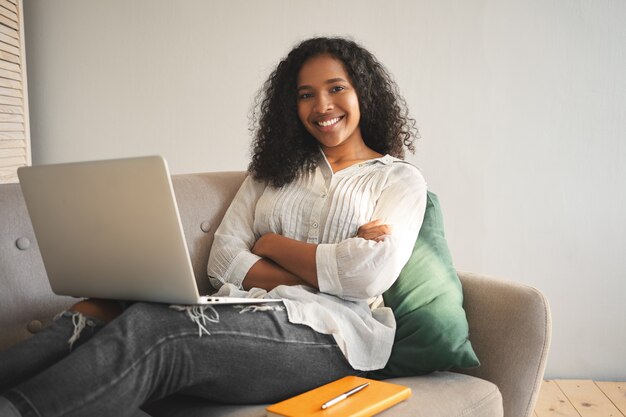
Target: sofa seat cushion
x=441 y=394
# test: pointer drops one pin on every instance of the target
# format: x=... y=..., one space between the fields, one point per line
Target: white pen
x=343 y=396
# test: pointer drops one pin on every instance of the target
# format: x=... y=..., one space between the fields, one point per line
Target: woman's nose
x=323 y=104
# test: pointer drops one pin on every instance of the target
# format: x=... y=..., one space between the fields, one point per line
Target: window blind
x=14 y=127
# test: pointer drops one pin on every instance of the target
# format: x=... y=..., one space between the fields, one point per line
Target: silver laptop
x=111 y=229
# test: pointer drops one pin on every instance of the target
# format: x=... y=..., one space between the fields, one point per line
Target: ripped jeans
x=224 y=354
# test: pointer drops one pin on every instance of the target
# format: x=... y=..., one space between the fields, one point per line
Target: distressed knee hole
x=200 y=315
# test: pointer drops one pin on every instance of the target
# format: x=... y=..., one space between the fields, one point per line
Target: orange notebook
x=371 y=400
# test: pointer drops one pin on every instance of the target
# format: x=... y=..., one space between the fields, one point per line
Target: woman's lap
x=152 y=350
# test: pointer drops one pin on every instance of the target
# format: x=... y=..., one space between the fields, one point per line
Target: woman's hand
x=269 y=272
x=374 y=230
x=263 y=245
x=298 y=258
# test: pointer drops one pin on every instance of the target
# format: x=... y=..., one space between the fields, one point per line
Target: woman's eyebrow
x=329 y=81
x=335 y=80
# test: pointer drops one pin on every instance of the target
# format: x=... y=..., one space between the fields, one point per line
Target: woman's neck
x=340 y=157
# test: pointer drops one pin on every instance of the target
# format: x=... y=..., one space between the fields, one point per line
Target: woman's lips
x=328 y=123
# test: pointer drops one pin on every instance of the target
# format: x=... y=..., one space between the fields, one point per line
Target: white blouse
x=327 y=209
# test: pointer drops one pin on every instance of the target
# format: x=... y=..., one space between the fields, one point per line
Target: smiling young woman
x=325 y=221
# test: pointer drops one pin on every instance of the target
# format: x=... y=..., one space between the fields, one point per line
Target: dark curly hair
x=282 y=148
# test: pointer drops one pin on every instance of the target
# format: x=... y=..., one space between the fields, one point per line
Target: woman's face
x=328 y=105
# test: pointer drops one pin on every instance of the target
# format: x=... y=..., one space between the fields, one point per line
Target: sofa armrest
x=510 y=329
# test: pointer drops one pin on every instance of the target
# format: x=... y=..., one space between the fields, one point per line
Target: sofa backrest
x=27 y=303
x=510 y=325
x=202 y=202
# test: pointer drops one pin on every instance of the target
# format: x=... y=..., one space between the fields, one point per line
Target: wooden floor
x=581 y=398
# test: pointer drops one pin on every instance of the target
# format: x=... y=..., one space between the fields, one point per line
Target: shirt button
x=315 y=225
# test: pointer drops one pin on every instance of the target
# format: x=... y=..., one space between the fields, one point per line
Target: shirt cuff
x=327 y=274
x=239 y=267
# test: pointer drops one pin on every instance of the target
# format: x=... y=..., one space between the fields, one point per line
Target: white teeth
x=329 y=122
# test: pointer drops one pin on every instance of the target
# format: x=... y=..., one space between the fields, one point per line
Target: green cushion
x=427 y=302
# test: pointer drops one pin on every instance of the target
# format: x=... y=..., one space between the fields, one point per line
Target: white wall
x=521 y=105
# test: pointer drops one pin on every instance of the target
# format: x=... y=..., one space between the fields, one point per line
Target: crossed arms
x=358 y=267
x=287 y=261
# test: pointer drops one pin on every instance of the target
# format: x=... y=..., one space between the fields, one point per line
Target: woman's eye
x=304 y=96
x=337 y=89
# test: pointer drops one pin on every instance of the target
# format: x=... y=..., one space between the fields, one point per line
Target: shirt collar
x=385 y=159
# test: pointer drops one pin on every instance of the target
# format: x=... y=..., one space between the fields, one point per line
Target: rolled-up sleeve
x=357 y=268
x=230 y=257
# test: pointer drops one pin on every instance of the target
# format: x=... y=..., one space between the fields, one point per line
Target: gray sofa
x=509 y=323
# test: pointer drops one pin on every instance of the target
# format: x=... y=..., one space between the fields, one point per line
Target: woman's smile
x=329 y=123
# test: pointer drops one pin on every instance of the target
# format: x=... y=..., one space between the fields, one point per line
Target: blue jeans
x=152 y=350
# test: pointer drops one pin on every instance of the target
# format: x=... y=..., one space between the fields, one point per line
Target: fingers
x=262 y=245
x=375 y=222
x=374 y=230
x=257 y=249
x=375 y=233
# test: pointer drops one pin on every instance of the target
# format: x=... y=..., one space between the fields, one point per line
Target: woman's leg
x=68 y=331
x=274 y=360
x=30 y=357
x=151 y=351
